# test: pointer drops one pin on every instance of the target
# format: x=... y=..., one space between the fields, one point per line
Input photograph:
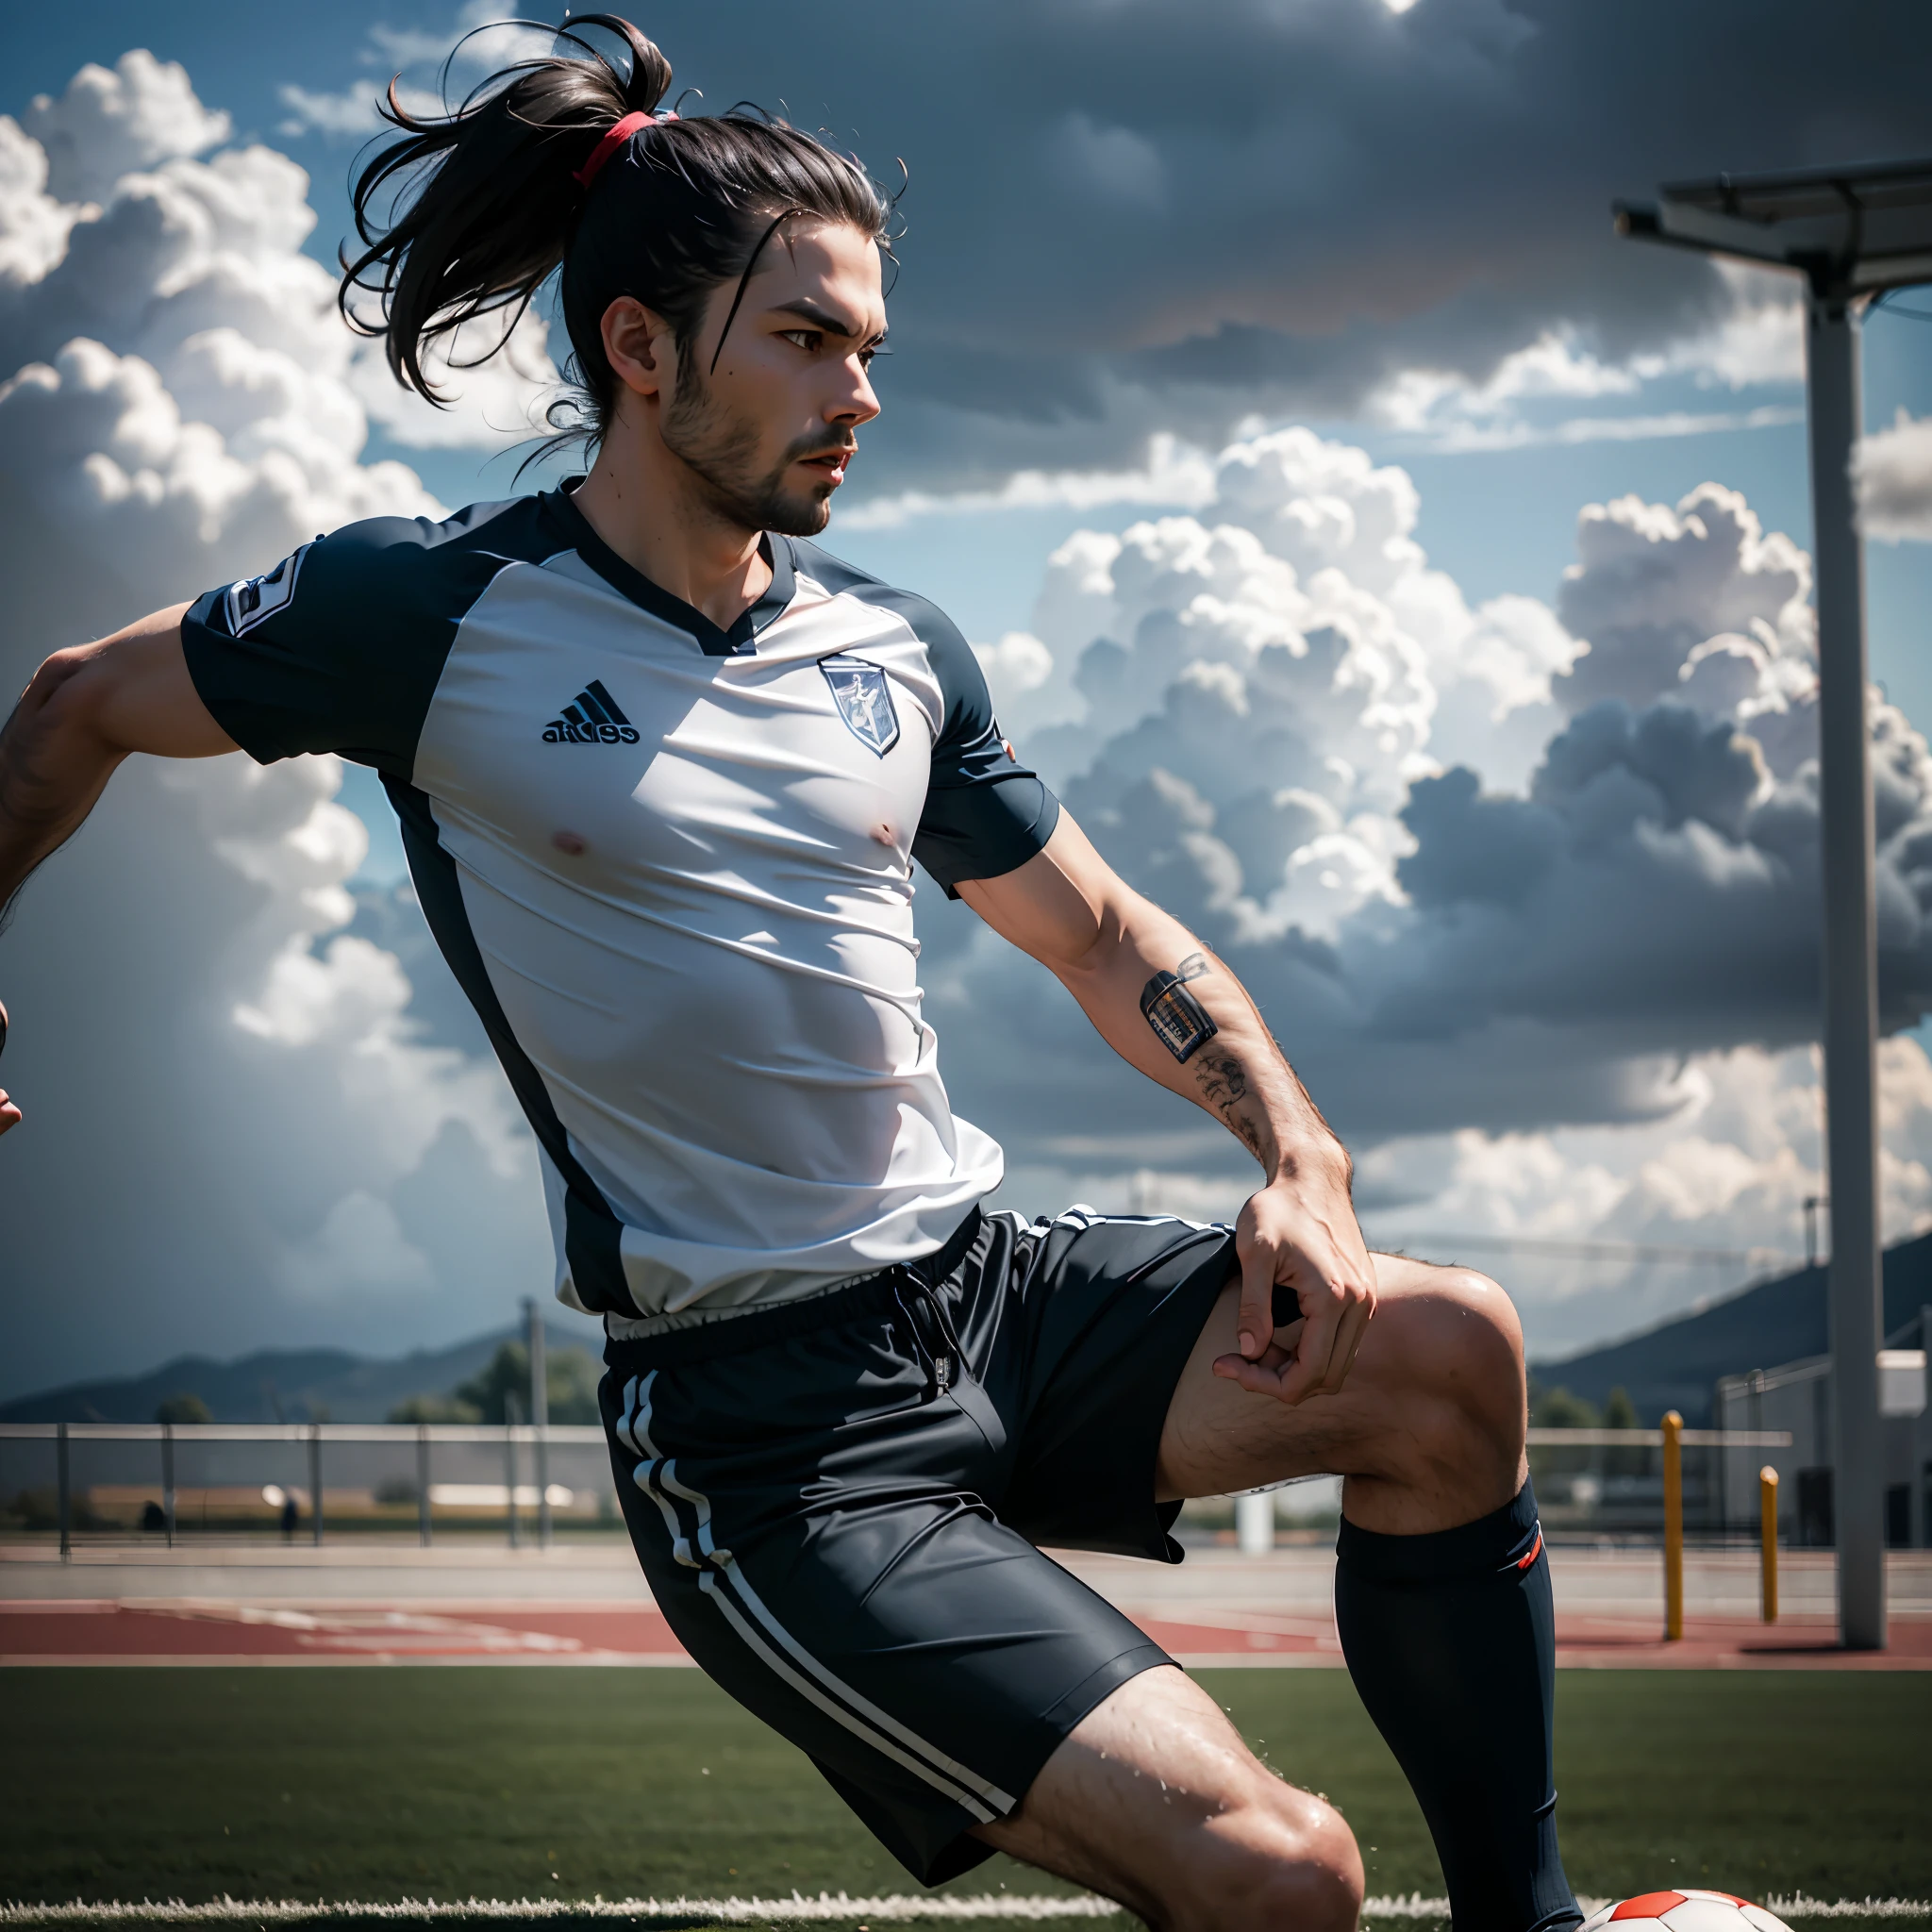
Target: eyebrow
x=809 y=310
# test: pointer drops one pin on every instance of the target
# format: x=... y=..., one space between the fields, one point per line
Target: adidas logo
x=593 y=719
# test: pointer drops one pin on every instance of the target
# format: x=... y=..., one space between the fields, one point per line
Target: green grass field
x=566 y=1784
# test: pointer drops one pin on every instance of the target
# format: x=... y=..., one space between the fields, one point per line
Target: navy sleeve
x=986 y=813
x=338 y=648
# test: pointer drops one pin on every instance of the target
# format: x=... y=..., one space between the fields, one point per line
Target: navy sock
x=1451 y=1639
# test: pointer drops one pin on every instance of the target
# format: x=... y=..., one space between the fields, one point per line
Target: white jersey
x=670 y=865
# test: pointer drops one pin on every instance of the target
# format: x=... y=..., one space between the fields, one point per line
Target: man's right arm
x=84 y=710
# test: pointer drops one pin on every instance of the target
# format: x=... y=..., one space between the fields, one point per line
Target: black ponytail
x=494 y=207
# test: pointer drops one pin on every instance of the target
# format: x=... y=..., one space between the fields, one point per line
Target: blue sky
x=1388 y=227
x=1498 y=520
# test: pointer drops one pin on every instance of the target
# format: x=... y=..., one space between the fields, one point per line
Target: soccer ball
x=1685 y=1911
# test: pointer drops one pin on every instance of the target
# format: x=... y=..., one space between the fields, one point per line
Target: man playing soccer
x=662 y=765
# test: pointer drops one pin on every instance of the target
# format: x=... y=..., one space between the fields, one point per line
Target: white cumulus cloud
x=1173 y=473
x=241 y=1129
x=1894 y=473
x=484 y=38
x=150 y=250
x=112 y=122
x=1531 y=895
x=353 y=112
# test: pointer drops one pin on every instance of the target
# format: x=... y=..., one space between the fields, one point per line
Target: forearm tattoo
x=1223 y=1084
x=1181 y=1025
x=1179 y=1022
x=1222 y=1078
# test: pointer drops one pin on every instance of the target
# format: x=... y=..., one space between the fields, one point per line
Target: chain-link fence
x=1609 y=1484
x=1593 y=1485
x=102 y=1481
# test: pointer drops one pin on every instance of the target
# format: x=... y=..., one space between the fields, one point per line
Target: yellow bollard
x=1767 y=1531
x=1674 y=1526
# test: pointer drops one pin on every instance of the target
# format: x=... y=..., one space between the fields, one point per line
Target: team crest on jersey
x=864 y=700
x=255 y=599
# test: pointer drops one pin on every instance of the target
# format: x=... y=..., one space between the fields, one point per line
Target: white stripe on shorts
x=856 y=1712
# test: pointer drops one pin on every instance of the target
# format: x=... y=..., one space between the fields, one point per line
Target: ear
x=640 y=347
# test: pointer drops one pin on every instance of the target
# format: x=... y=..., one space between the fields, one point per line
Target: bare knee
x=1282 y=1858
x=1456 y=1359
x=1155 y=1800
x=1482 y=1358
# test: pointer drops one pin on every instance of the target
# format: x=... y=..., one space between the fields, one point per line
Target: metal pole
x=1767 y=1536
x=422 y=1484
x=540 y=1415
x=315 y=1484
x=1851 y=970
x=509 y=1463
x=1254 y=1524
x=1674 y=1526
x=1724 y=1480
x=1924 y=1484
x=1812 y=1204
x=168 y=1481
x=65 y=1491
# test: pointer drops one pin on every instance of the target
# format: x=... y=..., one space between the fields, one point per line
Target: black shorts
x=837 y=1502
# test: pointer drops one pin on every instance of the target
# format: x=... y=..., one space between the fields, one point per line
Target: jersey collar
x=739 y=642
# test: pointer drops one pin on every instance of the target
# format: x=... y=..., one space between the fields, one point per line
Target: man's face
x=769 y=431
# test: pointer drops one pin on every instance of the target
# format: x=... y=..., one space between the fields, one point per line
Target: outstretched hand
x=1300 y=1233
x=10 y=1114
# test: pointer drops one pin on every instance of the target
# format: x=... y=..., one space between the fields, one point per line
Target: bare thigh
x=1427 y=1431
x=1154 y=1800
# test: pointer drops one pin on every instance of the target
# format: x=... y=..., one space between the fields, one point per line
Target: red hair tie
x=613 y=140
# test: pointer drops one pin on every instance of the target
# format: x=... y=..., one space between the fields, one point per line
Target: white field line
x=1800 y=1907
x=723 y=1911
x=899 y=1908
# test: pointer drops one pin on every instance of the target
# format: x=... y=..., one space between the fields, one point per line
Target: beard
x=721 y=448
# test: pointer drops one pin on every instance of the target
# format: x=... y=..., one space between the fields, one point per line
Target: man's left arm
x=1170 y=1007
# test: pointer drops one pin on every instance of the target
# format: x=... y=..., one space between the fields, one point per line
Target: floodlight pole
x=1850 y=232
x=1836 y=420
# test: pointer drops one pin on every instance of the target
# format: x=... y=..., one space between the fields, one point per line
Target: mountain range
x=285 y=1385
x=1674 y=1365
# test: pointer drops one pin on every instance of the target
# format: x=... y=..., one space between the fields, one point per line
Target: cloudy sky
x=1405 y=580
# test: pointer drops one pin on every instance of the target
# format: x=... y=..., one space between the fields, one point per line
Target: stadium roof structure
x=1852 y=230
x=1853 y=233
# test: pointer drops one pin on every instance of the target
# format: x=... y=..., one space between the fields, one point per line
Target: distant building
x=1797 y=1398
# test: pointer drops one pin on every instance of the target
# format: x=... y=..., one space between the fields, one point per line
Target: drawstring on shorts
x=923 y=1306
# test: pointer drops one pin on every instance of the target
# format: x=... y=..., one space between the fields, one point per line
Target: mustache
x=806 y=449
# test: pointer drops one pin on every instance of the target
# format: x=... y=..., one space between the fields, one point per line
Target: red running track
x=101 y=1631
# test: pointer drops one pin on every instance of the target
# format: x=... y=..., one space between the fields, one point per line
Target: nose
x=856 y=401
